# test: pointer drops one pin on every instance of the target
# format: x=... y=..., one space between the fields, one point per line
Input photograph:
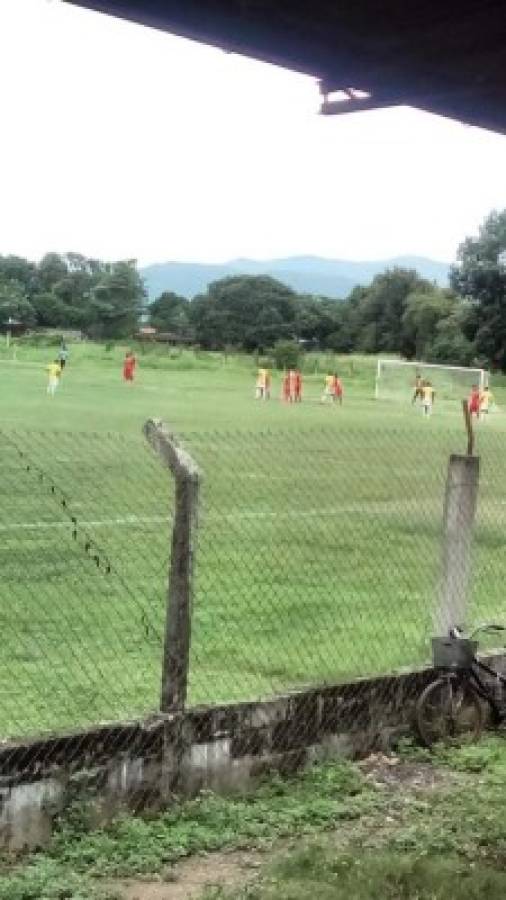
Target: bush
x=287 y=355
x=451 y=349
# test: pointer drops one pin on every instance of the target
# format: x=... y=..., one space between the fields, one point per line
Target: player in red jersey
x=338 y=389
x=473 y=403
x=129 y=365
x=287 y=388
x=297 y=386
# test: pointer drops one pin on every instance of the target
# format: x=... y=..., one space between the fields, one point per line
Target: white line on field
x=98 y=523
x=373 y=508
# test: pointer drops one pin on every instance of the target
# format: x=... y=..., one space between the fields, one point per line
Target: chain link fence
x=317 y=561
x=320 y=555
x=84 y=524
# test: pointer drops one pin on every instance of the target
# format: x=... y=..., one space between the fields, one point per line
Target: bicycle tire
x=449 y=711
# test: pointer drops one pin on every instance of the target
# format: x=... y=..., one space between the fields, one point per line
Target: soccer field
x=319 y=542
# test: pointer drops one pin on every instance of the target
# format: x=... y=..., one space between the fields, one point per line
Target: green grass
x=319 y=541
x=317 y=872
x=328 y=833
x=448 y=842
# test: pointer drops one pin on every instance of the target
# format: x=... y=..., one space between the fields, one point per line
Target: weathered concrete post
x=179 y=595
x=459 y=511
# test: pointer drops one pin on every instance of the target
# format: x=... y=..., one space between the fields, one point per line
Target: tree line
x=104 y=300
x=398 y=312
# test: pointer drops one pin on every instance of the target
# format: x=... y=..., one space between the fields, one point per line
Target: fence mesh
x=320 y=555
x=318 y=560
x=83 y=559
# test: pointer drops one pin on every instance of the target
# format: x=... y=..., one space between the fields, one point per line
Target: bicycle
x=451 y=708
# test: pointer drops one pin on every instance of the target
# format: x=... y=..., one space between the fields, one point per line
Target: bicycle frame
x=483 y=690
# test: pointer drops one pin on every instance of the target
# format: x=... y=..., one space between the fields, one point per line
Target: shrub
x=287 y=355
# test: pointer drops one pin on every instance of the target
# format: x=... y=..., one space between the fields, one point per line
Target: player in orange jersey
x=337 y=386
x=473 y=403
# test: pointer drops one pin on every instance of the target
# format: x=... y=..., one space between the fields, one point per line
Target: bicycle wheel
x=448 y=711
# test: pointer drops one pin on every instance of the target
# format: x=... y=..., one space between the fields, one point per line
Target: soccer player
x=428 y=397
x=267 y=384
x=129 y=365
x=286 y=394
x=53 y=377
x=328 y=391
x=473 y=403
x=260 y=384
x=486 y=398
x=63 y=355
x=337 y=386
x=418 y=388
x=297 y=387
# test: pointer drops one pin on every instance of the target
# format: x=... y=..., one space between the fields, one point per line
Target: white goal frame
x=482 y=375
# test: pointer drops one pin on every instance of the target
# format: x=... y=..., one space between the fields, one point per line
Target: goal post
x=395 y=379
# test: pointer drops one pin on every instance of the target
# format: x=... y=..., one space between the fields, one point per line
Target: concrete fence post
x=458 y=520
x=177 y=637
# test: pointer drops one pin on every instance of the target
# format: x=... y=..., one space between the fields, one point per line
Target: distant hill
x=306 y=274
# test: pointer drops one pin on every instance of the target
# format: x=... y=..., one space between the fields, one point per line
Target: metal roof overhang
x=448 y=58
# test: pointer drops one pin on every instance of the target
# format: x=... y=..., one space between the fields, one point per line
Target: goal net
x=395 y=379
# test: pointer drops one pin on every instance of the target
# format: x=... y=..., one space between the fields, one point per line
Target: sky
x=123 y=142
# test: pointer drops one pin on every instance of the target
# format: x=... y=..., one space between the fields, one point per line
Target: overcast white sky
x=120 y=141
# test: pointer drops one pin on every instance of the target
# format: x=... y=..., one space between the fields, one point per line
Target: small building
x=146 y=333
x=12 y=328
x=172 y=337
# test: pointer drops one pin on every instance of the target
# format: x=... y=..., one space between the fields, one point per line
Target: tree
x=380 y=307
x=170 y=312
x=317 y=318
x=422 y=314
x=480 y=277
x=16 y=268
x=51 y=269
x=14 y=304
x=251 y=312
x=287 y=354
x=50 y=311
x=117 y=301
x=450 y=344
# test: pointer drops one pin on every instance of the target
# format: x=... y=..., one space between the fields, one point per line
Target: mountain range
x=305 y=274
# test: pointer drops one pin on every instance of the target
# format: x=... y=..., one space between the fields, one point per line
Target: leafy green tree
x=480 y=277
x=317 y=318
x=14 y=304
x=244 y=311
x=287 y=354
x=16 y=268
x=50 y=311
x=51 y=269
x=117 y=301
x=378 y=312
x=422 y=314
x=450 y=345
x=170 y=312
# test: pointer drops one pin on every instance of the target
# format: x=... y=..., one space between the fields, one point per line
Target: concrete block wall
x=148 y=764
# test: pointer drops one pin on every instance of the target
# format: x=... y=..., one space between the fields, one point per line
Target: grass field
x=318 y=547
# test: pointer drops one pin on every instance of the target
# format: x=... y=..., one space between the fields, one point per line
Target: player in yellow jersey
x=486 y=399
x=260 y=384
x=428 y=397
x=328 y=390
x=53 y=377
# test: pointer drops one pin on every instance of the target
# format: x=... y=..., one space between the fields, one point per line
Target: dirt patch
x=394 y=772
x=187 y=879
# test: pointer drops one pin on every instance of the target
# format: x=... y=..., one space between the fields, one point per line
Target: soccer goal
x=395 y=379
